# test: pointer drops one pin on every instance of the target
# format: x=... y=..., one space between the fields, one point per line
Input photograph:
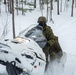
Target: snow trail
x=68 y=68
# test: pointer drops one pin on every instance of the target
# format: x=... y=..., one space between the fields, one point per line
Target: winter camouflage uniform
x=52 y=47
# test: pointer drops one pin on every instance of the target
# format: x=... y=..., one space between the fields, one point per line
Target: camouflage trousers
x=54 y=51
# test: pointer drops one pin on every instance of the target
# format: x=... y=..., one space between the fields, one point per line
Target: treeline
x=21 y=5
x=12 y=6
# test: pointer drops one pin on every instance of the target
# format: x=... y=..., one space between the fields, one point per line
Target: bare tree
x=34 y=3
x=61 y=6
x=0 y=6
x=5 y=6
x=51 y=8
x=75 y=3
x=17 y=6
x=66 y=5
x=13 y=23
x=72 y=8
x=10 y=6
x=47 y=9
x=22 y=8
x=55 y=0
x=58 y=7
x=4 y=1
x=5 y=29
x=25 y=2
x=41 y=6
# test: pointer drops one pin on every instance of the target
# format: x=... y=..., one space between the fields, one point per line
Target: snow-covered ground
x=64 y=27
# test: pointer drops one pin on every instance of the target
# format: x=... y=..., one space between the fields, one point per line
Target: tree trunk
x=61 y=6
x=41 y=6
x=47 y=9
x=55 y=0
x=22 y=8
x=34 y=3
x=10 y=6
x=4 y=1
x=75 y=3
x=17 y=6
x=0 y=7
x=58 y=7
x=25 y=2
x=5 y=6
x=13 y=23
x=51 y=8
x=72 y=8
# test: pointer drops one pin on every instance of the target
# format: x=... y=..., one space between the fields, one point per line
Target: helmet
x=42 y=19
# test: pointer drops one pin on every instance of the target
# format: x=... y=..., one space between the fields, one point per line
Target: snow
x=64 y=27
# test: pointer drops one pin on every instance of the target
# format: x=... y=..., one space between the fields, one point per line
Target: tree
x=34 y=3
x=41 y=6
x=5 y=6
x=61 y=6
x=47 y=9
x=25 y=2
x=75 y=3
x=0 y=6
x=58 y=7
x=55 y=0
x=66 y=4
x=10 y=6
x=4 y=1
x=22 y=8
x=13 y=25
x=72 y=8
x=51 y=8
x=5 y=30
x=17 y=6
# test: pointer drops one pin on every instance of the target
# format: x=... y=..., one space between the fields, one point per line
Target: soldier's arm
x=51 y=36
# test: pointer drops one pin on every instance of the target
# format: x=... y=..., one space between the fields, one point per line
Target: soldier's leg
x=46 y=51
x=56 y=51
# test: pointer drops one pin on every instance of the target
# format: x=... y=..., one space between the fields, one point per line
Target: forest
x=15 y=6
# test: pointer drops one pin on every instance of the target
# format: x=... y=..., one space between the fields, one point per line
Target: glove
x=47 y=44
